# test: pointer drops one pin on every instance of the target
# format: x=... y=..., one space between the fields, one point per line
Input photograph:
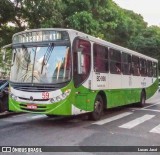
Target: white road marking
x=20 y=115
x=37 y=116
x=151 y=105
x=24 y=118
x=136 y=121
x=107 y=120
x=156 y=129
x=154 y=101
x=145 y=109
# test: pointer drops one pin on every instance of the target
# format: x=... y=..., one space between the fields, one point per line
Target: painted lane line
x=152 y=101
x=37 y=116
x=151 y=105
x=20 y=115
x=136 y=121
x=156 y=129
x=145 y=109
x=107 y=120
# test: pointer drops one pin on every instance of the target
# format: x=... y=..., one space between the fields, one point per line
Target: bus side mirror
x=79 y=58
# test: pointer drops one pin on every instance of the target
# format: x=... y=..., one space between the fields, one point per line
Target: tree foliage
x=100 y=18
x=147 y=42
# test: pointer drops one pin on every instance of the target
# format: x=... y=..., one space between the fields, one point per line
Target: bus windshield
x=41 y=64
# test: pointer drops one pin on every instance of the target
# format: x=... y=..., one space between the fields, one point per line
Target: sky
x=149 y=9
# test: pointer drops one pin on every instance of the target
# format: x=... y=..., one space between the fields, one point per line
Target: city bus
x=66 y=72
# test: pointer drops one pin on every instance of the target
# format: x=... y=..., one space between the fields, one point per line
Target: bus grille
x=34 y=88
x=28 y=87
x=28 y=99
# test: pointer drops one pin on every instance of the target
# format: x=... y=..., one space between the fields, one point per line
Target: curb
x=7 y=113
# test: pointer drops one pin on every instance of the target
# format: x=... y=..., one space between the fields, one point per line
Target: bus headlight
x=60 y=97
x=13 y=96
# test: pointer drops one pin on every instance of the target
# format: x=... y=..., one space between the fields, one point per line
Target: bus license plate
x=31 y=106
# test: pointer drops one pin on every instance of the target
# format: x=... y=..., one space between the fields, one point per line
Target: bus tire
x=98 y=109
x=142 y=99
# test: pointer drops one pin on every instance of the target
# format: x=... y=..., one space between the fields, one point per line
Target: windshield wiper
x=26 y=56
x=47 y=55
x=14 y=56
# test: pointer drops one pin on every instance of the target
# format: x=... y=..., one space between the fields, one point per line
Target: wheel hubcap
x=98 y=107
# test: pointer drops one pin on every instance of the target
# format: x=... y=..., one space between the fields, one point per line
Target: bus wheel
x=98 y=109
x=142 y=99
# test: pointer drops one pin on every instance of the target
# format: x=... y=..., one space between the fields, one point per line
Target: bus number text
x=101 y=78
x=45 y=95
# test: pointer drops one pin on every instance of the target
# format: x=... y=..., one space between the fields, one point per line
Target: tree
x=42 y=13
x=129 y=24
x=9 y=13
x=89 y=25
x=101 y=18
x=147 y=42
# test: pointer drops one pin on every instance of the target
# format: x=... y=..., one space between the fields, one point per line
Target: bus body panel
x=119 y=89
x=82 y=100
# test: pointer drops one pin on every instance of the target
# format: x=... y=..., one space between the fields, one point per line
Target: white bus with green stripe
x=66 y=72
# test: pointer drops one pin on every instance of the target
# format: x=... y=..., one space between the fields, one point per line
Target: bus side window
x=115 y=61
x=135 y=66
x=100 y=58
x=149 y=69
x=154 y=69
x=143 y=67
x=126 y=63
x=85 y=47
x=118 y=67
x=85 y=61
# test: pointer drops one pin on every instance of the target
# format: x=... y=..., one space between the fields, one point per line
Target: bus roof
x=75 y=33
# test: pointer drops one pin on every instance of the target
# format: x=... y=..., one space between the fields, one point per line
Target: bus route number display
x=45 y=95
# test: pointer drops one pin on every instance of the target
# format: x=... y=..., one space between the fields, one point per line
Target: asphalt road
x=125 y=126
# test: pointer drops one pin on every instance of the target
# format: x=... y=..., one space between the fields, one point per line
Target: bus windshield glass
x=41 y=64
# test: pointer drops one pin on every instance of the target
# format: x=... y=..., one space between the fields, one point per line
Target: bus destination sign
x=39 y=36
